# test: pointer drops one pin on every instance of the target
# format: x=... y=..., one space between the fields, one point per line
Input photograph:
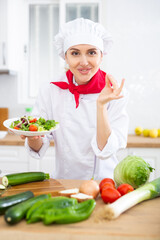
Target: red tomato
x=110 y=194
x=106 y=180
x=106 y=185
x=125 y=188
x=33 y=120
x=17 y=128
x=33 y=128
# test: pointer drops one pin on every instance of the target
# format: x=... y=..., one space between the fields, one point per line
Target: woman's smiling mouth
x=84 y=71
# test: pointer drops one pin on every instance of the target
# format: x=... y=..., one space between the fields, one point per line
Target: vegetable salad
x=33 y=124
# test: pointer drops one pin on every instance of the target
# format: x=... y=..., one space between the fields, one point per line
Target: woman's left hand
x=111 y=91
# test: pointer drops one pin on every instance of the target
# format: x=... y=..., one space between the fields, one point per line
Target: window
x=42 y=61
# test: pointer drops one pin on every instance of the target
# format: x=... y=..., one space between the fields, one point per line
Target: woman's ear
x=66 y=59
x=101 y=57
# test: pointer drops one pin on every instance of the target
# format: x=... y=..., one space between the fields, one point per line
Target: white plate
x=8 y=122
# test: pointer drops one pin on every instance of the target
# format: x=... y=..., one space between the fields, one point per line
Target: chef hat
x=82 y=31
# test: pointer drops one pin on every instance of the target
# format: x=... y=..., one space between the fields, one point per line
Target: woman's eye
x=92 y=53
x=75 y=53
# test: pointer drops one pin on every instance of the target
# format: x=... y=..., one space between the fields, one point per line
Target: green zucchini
x=24 y=177
x=16 y=213
x=6 y=202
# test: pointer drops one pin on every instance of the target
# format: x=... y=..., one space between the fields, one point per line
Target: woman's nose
x=83 y=60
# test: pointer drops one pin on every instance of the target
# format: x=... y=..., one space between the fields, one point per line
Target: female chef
x=88 y=103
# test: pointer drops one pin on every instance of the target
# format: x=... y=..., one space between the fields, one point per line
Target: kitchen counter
x=133 y=141
x=140 y=222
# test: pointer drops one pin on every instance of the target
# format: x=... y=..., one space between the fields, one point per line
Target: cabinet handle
x=3 y=53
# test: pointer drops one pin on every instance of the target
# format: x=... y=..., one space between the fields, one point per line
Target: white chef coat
x=76 y=152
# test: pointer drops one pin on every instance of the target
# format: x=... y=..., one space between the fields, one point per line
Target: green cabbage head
x=132 y=170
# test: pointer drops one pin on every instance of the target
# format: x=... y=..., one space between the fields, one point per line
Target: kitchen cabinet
x=11 y=35
x=16 y=159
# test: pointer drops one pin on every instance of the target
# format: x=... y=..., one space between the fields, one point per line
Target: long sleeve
x=41 y=109
x=119 y=122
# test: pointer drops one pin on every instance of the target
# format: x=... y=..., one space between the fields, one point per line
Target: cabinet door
x=121 y=154
x=46 y=164
x=13 y=159
x=150 y=155
x=13 y=30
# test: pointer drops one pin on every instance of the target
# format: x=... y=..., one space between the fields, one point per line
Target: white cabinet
x=16 y=159
x=46 y=164
x=150 y=155
x=13 y=159
x=11 y=34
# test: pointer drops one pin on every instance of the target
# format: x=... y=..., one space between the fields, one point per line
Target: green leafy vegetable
x=132 y=170
x=25 y=122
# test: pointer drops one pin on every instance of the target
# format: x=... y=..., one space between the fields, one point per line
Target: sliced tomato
x=125 y=188
x=110 y=194
x=33 y=120
x=17 y=128
x=106 y=180
x=33 y=128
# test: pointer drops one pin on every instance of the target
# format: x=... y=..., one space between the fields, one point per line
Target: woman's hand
x=34 y=142
x=111 y=91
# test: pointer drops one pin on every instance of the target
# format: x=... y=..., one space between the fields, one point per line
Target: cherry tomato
x=110 y=194
x=33 y=120
x=33 y=128
x=106 y=180
x=106 y=185
x=125 y=188
x=17 y=128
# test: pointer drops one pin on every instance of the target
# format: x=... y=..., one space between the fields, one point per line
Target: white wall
x=135 y=55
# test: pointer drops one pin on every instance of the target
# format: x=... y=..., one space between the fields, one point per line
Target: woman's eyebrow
x=92 y=49
x=75 y=49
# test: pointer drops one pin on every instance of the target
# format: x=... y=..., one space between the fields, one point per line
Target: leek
x=147 y=191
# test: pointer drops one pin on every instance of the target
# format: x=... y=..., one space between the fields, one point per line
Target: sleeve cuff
x=42 y=150
x=113 y=145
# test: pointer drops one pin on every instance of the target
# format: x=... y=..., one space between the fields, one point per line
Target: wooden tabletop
x=142 y=222
x=133 y=141
x=143 y=142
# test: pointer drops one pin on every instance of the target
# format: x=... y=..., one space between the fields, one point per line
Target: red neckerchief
x=95 y=85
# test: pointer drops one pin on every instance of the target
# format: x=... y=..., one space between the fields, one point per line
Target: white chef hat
x=82 y=31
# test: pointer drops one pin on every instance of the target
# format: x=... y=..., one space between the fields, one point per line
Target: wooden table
x=139 y=222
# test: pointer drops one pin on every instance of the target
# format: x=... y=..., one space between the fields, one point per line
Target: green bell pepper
x=37 y=211
x=72 y=214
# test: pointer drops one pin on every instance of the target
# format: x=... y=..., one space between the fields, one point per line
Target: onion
x=90 y=187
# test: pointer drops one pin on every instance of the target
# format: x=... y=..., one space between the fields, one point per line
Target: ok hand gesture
x=111 y=91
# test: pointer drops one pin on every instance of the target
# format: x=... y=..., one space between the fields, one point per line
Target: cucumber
x=16 y=213
x=6 y=202
x=24 y=177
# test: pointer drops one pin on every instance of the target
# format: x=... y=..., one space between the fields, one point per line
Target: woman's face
x=84 y=61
